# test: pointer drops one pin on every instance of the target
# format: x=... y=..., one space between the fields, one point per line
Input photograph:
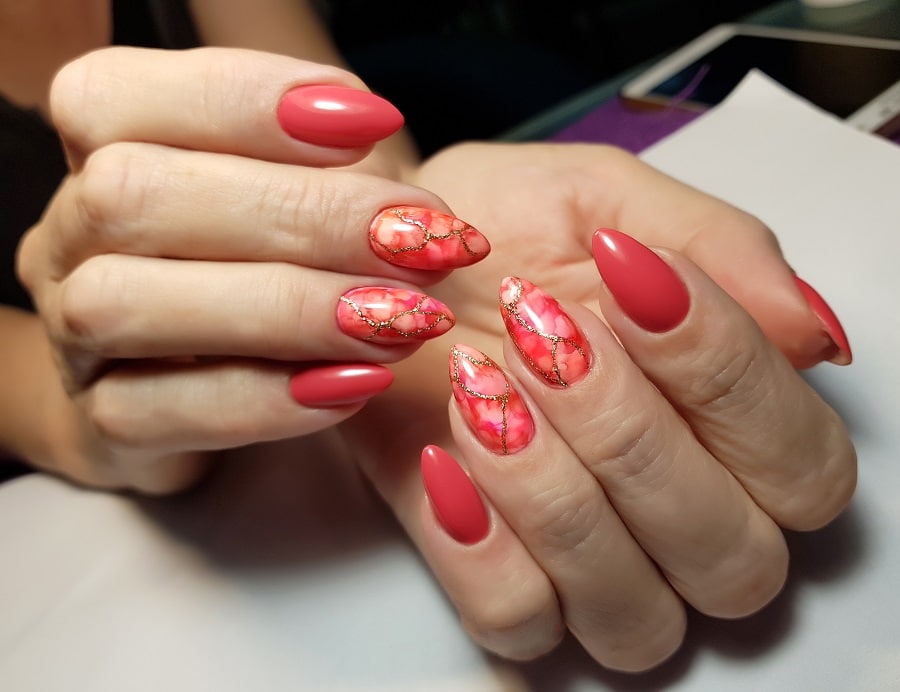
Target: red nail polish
x=385 y=315
x=842 y=355
x=339 y=385
x=488 y=402
x=644 y=286
x=548 y=339
x=454 y=498
x=336 y=116
x=425 y=239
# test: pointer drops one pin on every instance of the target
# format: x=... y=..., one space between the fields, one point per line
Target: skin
x=146 y=355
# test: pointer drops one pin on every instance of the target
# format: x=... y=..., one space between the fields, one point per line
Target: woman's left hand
x=620 y=466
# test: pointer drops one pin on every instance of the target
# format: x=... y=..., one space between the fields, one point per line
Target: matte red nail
x=425 y=239
x=842 y=354
x=339 y=385
x=386 y=315
x=454 y=498
x=548 y=339
x=644 y=286
x=336 y=116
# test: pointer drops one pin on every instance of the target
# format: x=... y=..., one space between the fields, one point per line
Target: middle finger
x=162 y=202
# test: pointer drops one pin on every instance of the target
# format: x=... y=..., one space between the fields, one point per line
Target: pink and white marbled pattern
x=425 y=239
x=548 y=339
x=489 y=403
x=386 y=315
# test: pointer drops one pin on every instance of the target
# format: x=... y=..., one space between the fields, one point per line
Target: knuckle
x=744 y=576
x=112 y=194
x=85 y=309
x=71 y=93
x=27 y=262
x=726 y=379
x=307 y=214
x=282 y=296
x=829 y=489
x=649 y=641
x=522 y=625
x=68 y=96
x=113 y=420
x=746 y=581
x=562 y=517
x=631 y=445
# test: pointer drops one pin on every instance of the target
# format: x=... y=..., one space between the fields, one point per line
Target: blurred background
x=475 y=68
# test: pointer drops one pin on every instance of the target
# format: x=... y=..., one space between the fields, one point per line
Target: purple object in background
x=629 y=127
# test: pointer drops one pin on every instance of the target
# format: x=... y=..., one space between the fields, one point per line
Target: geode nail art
x=488 y=402
x=386 y=315
x=548 y=339
x=425 y=239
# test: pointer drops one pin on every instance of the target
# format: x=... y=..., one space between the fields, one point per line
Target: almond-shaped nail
x=337 y=116
x=387 y=315
x=425 y=239
x=646 y=288
x=842 y=355
x=488 y=402
x=339 y=385
x=453 y=497
x=548 y=339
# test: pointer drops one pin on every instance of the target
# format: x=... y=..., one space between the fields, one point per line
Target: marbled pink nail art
x=548 y=339
x=425 y=239
x=392 y=315
x=488 y=402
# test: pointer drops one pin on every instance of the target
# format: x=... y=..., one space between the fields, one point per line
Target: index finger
x=223 y=100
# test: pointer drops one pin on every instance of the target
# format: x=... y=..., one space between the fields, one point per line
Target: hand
x=682 y=443
x=200 y=260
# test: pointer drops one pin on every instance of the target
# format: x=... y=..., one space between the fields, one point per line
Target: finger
x=120 y=306
x=162 y=202
x=740 y=396
x=716 y=547
x=736 y=249
x=614 y=599
x=220 y=100
x=505 y=601
x=172 y=407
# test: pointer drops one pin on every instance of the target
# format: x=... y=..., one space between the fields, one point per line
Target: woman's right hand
x=203 y=258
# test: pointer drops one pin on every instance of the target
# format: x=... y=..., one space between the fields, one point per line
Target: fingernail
x=643 y=285
x=841 y=354
x=453 y=497
x=489 y=403
x=336 y=116
x=385 y=315
x=425 y=239
x=548 y=339
x=339 y=385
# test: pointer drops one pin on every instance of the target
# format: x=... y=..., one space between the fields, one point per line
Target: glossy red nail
x=548 y=339
x=488 y=402
x=336 y=116
x=453 y=497
x=643 y=285
x=841 y=354
x=339 y=385
x=385 y=315
x=425 y=239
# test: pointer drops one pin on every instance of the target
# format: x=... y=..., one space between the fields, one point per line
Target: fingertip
x=838 y=350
